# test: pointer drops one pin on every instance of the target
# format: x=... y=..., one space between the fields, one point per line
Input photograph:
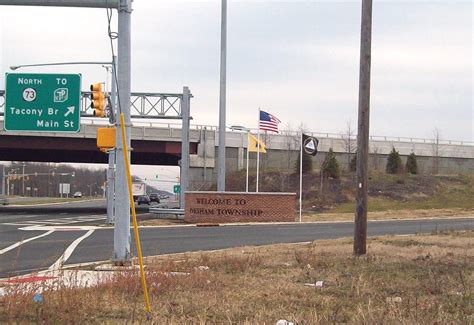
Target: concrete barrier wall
x=454 y=157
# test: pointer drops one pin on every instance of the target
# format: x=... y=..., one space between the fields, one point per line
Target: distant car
x=164 y=196
x=154 y=197
x=3 y=200
x=143 y=199
x=77 y=194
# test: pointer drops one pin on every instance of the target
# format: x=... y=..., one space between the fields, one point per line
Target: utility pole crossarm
x=113 y=4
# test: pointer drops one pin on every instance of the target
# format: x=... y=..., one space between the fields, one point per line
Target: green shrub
x=411 y=165
x=394 y=162
x=307 y=164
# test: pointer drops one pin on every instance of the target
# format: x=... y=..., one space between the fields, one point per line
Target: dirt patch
x=393 y=214
x=402 y=187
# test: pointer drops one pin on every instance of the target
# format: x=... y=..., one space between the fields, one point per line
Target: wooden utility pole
x=360 y=230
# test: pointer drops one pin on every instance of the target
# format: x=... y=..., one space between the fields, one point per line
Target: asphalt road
x=85 y=206
x=70 y=237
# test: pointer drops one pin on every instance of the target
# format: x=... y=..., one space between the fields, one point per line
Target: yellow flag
x=253 y=144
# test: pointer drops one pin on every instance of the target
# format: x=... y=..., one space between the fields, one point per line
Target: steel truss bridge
x=142 y=105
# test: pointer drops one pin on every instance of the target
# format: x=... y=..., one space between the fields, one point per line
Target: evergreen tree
x=330 y=165
x=394 y=162
x=307 y=164
x=411 y=165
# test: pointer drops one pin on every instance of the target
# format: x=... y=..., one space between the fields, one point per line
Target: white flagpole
x=247 y=179
x=258 y=148
x=301 y=172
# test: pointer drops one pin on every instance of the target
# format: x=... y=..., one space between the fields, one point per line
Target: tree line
x=331 y=168
x=43 y=179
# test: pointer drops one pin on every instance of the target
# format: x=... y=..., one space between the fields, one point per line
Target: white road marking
x=68 y=252
x=15 y=224
x=59 y=221
x=9 y=248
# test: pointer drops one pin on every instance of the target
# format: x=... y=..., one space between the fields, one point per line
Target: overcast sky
x=299 y=60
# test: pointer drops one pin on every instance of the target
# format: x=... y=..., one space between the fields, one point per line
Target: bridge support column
x=240 y=158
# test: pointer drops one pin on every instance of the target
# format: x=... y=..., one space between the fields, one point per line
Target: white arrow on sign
x=70 y=110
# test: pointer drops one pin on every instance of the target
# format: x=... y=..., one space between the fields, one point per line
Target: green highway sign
x=176 y=189
x=39 y=102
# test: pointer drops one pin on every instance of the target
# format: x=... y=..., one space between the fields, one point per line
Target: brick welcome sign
x=222 y=207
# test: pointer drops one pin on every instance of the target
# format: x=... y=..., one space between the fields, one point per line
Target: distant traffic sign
x=42 y=102
x=176 y=189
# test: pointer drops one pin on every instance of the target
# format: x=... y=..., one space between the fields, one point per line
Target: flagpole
x=301 y=172
x=258 y=148
x=247 y=179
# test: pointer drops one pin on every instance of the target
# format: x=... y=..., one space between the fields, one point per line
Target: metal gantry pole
x=184 y=171
x=360 y=228
x=222 y=101
x=122 y=212
x=111 y=170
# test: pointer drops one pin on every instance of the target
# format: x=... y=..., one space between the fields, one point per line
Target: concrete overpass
x=159 y=143
x=151 y=145
x=283 y=149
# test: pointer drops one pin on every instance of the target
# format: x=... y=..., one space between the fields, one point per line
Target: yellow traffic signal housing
x=106 y=138
x=98 y=100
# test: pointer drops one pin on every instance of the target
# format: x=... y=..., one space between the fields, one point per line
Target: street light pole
x=15 y=67
x=222 y=101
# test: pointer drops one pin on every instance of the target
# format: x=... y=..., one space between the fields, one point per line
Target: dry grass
x=418 y=279
x=393 y=214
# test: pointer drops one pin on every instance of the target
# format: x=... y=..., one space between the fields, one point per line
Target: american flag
x=268 y=122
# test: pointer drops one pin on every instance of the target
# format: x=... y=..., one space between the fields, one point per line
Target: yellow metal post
x=134 y=215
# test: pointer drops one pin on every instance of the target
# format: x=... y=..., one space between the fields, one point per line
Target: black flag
x=310 y=145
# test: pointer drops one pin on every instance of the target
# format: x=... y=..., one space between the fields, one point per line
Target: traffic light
x=98 y=100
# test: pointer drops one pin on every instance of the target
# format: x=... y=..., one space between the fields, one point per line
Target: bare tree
x=350 y=142
x=437 y=149
x=267 y=139
x=375 y=152
x=291 y=143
